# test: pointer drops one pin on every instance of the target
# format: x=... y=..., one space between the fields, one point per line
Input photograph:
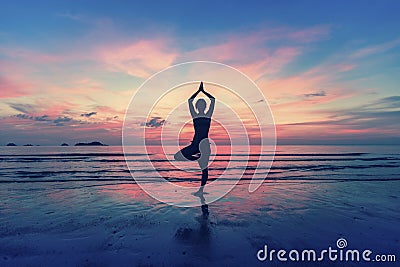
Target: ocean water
x=107 y=164
x=79 y=206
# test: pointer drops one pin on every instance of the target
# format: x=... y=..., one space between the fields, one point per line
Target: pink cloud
x=375 y=49
x=140 y=59
x=308 y=96
x=23 y=131
x=321 y=78
x=251 y=58
x=30 y=56
x=332 y=130
x=343 y=67
x=311 y=34
x=272 y=63
x=252 y=52
x=10 y=89
x=287 y=34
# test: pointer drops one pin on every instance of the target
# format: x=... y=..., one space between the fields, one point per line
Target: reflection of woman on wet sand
x=199 y=149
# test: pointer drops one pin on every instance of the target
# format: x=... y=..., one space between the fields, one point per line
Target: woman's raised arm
x=212 y=104
x=190 y=101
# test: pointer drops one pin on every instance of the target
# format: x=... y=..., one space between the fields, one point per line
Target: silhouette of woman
x=199 y=149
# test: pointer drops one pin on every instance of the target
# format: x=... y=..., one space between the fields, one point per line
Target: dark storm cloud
x=41 y=118
x=24 y=108
x=61 y=120
x=87 y=115
x=34 y=118
x=320 y=93
x=388 y=102
x=155 y=122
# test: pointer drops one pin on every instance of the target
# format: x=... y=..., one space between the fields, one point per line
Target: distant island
x=65 y=144
x=11 y=144
x=28 y=145
x=95 y=143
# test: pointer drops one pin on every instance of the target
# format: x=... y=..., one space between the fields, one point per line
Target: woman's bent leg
x=187 y=153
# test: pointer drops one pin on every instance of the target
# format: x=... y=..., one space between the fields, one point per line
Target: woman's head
x=201 y=105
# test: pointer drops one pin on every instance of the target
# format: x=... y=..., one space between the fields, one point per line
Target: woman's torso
x=201 y=128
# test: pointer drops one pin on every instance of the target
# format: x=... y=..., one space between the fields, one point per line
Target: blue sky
x=334 y=64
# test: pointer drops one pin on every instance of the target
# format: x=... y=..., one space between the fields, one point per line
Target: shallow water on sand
x=79 y=206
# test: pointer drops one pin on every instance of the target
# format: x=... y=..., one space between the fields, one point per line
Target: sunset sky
x=329 y=69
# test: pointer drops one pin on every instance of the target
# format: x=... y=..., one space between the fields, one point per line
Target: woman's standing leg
x=204 y=177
